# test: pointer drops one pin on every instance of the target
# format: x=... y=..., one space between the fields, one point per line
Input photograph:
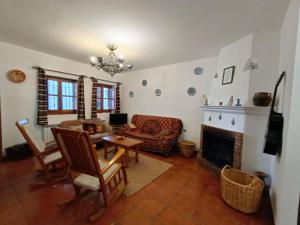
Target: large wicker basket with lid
x=241 y=190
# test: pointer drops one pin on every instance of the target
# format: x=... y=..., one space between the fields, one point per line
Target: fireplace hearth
x=220 y=147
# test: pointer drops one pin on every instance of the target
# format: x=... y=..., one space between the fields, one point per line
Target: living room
x=201 y=63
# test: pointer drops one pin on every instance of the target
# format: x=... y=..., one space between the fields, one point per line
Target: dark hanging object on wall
x=273 y=136
x=18 y=152
x=298 y=223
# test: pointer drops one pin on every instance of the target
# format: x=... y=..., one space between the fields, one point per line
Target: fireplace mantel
x=237 y=109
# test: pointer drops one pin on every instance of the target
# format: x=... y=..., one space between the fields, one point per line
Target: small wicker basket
x=241 y=190
x=187 y=148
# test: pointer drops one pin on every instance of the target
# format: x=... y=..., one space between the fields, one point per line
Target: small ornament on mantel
x=204 y=100
x=238 y=102
x=230 y=102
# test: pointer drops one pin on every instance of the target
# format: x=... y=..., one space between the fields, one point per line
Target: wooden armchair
x=86 y=171
x=47 y=154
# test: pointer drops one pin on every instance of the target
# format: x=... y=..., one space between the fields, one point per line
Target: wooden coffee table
x=127 y=143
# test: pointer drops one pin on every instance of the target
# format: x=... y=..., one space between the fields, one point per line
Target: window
x=62 y=95
x=106 y=98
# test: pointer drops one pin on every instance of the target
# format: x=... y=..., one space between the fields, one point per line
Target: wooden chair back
x=78 y=151
x=36 y=144
x=80 y=155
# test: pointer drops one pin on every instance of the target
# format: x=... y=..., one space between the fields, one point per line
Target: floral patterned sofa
x=158 y=133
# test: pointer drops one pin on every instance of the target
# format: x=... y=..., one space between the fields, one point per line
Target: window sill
x=62 y=113
x=104 y=111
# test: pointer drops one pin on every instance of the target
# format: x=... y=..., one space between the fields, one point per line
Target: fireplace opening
x=218 y=148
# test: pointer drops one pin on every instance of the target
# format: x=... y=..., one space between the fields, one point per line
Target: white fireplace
x=251 y=122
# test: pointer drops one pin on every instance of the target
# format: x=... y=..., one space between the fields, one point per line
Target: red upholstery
x=157 y=132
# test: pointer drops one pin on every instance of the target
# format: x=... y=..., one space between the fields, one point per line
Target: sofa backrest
x=155 y=124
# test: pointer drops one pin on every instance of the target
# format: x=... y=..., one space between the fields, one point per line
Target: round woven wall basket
x=187 y=148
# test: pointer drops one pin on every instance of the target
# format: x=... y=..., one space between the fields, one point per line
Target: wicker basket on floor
x=187 y=148
x=241 y=190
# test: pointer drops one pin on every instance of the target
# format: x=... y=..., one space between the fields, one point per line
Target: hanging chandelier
x=114 y=64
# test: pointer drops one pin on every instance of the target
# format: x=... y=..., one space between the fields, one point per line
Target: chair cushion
x=52 y=157
x=92 y=182
x=36 y=140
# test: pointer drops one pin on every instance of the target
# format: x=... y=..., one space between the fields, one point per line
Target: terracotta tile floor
x=187 y=194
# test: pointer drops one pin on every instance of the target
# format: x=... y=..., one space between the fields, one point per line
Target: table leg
x=105 y=149
x=126 y=157
x=137 y=150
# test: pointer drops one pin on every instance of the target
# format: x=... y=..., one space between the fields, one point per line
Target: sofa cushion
x=138 y=134
x=164 y=133
x=78 y=127
x=130 y=126
x=151 y=127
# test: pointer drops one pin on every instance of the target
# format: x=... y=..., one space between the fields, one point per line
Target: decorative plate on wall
x=157 y=92
x=191 y=91
x=198 y=70
x=131 y=94
x=16 y=76
x=144 y=83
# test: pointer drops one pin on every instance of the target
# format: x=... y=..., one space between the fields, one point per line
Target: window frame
x=101 y=86
x=59 y=95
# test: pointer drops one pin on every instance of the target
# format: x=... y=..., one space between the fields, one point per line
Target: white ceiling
x=148 y=32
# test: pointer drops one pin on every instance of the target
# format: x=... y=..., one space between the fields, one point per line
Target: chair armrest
x=49 y=151
x=113 y=160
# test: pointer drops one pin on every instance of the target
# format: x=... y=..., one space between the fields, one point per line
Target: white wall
x=19 y=100
x=265 y=51
x=262 y=47
x=286 y=182
x=236 y=54
x=173 y=80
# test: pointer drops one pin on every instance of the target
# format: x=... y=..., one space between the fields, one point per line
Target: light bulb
x=121 y=58
x=93 y=59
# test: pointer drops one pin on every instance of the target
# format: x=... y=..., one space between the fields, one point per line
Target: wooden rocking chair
x=86 y=171
x=47 y=154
